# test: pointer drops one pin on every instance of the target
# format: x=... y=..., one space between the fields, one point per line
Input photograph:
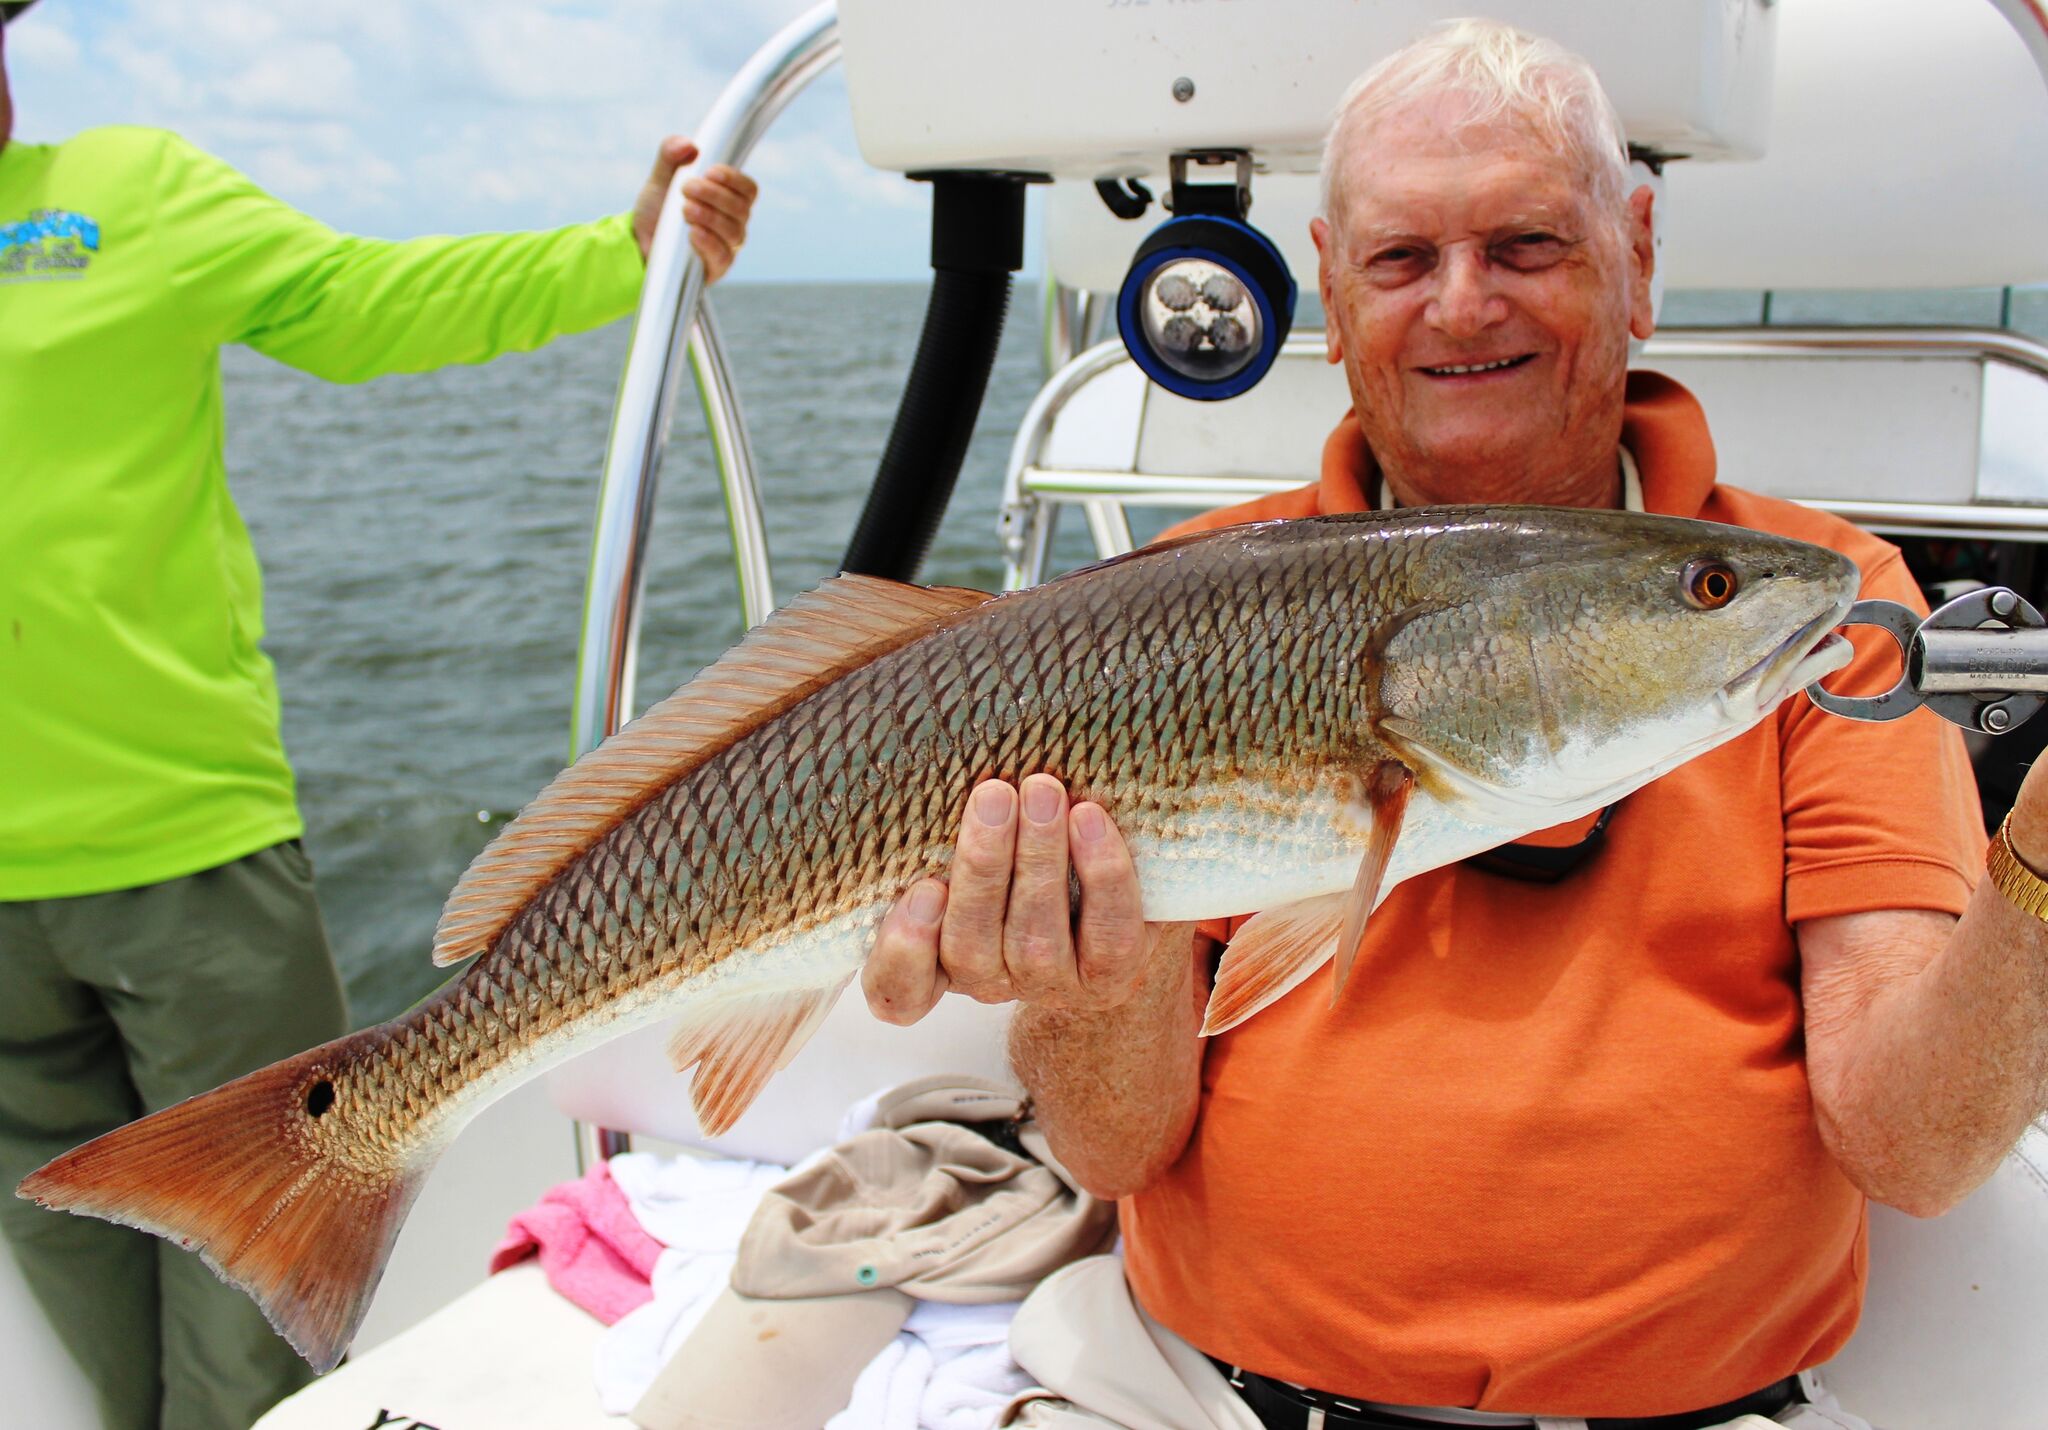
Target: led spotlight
x=1206 y=305
x=1176 y=292
x=1180 y=335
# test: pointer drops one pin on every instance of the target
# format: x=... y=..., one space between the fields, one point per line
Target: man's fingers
x=721 y=225
x=716 y=205
x=1037 y=929
x=902 y=978
x=1109 y=941
x=670 y=155
x=724 y=189
x=978 y=890
x=715 y=251
x=726 y=176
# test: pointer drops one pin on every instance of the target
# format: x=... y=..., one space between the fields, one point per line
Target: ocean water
x=425 y=540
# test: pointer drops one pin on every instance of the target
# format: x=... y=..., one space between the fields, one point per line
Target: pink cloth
x=592 y=1247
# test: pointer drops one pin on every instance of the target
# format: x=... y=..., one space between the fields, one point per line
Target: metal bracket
x=1221 y=200
x=1980 y=661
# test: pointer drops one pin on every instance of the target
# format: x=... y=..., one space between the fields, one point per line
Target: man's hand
x=716 y=205
x=1106 y=1037
x=1000 y=929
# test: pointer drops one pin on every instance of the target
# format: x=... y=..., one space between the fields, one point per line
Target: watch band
x=2027 y=891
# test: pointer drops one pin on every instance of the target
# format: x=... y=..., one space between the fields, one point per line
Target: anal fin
x=1269 y=956
x=743 y=1043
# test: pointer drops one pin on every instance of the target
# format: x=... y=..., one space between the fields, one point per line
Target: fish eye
x=1709 y=584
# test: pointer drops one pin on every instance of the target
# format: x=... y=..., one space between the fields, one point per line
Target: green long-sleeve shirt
x=138 y=714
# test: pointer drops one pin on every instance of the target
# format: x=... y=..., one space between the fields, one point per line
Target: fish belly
x=1254 y=847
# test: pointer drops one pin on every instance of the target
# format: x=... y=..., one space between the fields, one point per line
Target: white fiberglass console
x=1089 y=89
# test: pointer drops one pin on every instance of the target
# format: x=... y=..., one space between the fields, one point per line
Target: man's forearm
x=384 y=307
x=1116 y=1091
x=1926 y=1078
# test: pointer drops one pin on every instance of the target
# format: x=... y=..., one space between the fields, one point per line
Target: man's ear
x=1642 y=240
x=1326 y=259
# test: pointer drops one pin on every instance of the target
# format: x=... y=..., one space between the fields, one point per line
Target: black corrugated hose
x=977 y=244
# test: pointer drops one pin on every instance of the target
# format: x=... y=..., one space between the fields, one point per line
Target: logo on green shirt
x=49 y=244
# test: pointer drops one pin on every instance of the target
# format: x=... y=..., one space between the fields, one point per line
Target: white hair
x=1504 y=73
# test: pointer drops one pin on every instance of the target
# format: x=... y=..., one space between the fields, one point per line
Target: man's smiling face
x=1481 y=299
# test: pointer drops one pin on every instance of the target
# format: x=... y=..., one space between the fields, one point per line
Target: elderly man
x=1592 y=1148
x=158 y=927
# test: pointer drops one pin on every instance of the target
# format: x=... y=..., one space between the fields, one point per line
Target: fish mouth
x=1812 y=651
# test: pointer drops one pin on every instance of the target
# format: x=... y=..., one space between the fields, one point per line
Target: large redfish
x=1290 y=717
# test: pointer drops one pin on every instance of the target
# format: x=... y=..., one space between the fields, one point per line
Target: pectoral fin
x=1272 y=953
x=742 y=1044
x=1386 y=790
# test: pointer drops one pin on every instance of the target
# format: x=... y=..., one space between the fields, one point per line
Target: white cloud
x=314 y=163
x=281 y=168
x=234 y=27
x=533 y=168
x=531 y=54
x=298 y=78
x=155 y=76
x=42 y=44
x=852 y=176
x=397 y=117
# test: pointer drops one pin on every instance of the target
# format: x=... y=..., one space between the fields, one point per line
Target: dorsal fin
x=807 y=644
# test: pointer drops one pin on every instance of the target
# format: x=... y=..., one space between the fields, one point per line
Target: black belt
x=1281 y=1406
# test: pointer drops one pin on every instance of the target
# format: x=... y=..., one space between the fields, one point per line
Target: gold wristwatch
x=2027 y=890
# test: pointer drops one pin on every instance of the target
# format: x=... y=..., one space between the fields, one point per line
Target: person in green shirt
x=158 y=930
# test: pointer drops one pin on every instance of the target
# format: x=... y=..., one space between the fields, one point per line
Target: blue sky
x=400 y=117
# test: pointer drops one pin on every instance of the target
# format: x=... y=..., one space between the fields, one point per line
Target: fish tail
x=247 y=1177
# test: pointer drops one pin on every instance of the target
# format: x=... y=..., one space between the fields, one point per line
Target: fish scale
x=1124 y=745
x=1285 y=719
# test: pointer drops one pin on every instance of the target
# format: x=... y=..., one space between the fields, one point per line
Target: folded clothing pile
x=871 y=1286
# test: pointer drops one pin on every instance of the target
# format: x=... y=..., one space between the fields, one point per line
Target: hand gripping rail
x=673 y=306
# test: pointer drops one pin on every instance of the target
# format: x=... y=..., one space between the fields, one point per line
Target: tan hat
x=753 y=1363
x=935 y=1209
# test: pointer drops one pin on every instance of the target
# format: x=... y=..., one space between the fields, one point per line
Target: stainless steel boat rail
x=1033 y=494
x=1068 y=320
x=1025 y=524
x=674 y=315
x=1993 y=344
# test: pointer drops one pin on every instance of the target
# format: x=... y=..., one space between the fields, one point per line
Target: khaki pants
x=1104 y=1362
x=117 y=1004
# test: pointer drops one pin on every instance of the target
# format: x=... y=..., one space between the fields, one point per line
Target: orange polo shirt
x=1553 y=1151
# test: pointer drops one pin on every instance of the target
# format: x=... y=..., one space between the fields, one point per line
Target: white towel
x=694 y=1203
x=696 y=1207
x=949 y=1369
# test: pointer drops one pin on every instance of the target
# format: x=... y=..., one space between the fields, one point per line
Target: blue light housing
x=1205 y=307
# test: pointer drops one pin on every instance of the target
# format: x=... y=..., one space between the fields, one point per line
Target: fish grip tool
x=1980 y=661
